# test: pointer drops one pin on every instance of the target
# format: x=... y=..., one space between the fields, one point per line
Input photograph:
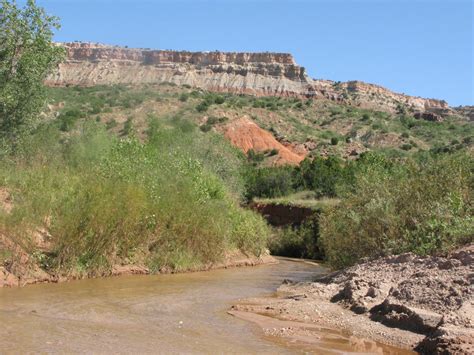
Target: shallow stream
x=181 y=313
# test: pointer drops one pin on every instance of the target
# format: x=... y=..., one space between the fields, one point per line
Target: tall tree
x=27 y=56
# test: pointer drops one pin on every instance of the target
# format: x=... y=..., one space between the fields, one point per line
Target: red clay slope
x=246 y=134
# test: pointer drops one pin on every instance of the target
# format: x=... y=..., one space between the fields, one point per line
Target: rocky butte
x=263 y=74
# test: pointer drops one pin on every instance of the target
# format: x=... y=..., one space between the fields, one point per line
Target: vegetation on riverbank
x=106 y=199
x=121 y=174
x=378 y=205
x=424 y=206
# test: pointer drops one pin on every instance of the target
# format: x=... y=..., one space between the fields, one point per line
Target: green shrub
x=297 y=241
x=269 y=182
x=171 y=202
x=112 y=123
x=321 y=175
x=423 y=206
x=127 y=126
x=255 y=156
x=365 y=117
x=273 y=152
x=202 y=106
x=68 y=119
x=219 y=100
x=184 y=97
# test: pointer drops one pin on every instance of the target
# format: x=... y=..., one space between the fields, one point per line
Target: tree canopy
x=27 y=56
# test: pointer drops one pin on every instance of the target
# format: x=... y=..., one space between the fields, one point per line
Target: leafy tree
x=269 y=182
x=322 y=175
x=27 y=56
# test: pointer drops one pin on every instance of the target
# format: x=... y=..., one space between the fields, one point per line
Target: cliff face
x=249 y=73
x=262 y=74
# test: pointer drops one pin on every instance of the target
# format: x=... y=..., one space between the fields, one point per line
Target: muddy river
x=183 y=313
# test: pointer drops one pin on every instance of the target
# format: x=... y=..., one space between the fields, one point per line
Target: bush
x=127 y=126
x=211 y=121
x=423 y=206
x=334 y=141
x=184 y=97
x=273 y=152
x=112 y=123
x=202 y=106
x=365 y=117
x=322 y=175
x=297 y=241
x=219 y=100
x=254 y=156
x=68 y=119
x=269 y=182
x=171 y=202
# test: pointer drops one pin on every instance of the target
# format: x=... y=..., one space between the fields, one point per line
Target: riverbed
x=180 y=313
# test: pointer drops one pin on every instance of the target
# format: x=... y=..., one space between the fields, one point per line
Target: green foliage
x=27 y=55
x=297 y=241
x=269 y=182
x=171 y=202
x=203 y=106
x=273 y=152
x=365 y=117
x=68 y=119
x=255 y=156
x=112 y=123
x=424 y=206
x=406 y=146
x=127 y=126
x=184 y=97
x=322 y=175
x=212 y=121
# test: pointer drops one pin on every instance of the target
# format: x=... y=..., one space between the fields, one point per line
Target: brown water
x=184 y=313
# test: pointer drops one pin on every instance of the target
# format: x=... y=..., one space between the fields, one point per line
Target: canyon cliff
x=261 y=74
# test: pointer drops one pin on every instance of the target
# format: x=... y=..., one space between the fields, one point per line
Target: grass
x=137 y=174
x=294 y=120
x=171 y=201
x=306 y=199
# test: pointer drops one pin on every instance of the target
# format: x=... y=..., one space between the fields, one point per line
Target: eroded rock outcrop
x=244 y=73
x=247 y=135
x=249 y=73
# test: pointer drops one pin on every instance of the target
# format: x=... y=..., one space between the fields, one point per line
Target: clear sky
x=419 y=47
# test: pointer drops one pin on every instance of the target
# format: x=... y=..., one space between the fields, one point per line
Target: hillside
x=304 y=127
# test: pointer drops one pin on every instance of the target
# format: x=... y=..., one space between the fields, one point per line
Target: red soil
x=246 y=135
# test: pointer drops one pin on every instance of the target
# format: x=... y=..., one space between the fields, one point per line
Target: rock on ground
x=422 y=303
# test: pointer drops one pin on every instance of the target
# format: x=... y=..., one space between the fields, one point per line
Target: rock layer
x=264 y=74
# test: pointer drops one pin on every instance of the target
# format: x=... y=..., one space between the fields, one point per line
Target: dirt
x=282 y=215
x=247 y=135
x=413 y=302
x=6 y=200
x=20 y=268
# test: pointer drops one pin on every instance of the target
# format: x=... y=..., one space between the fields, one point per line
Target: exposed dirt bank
x=282 y=215
x=23 y=269
x=420 y=303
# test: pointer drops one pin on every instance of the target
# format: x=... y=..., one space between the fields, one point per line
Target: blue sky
x=419 y=47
